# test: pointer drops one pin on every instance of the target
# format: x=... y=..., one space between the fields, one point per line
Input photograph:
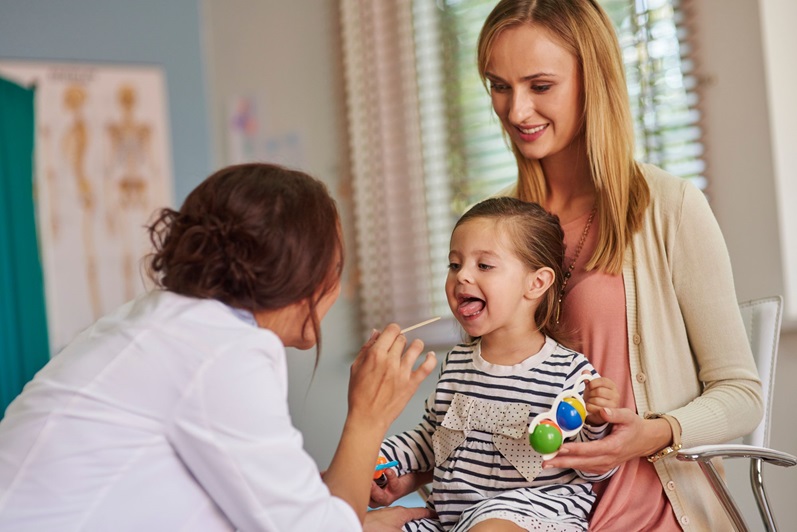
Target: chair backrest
x=762 y=318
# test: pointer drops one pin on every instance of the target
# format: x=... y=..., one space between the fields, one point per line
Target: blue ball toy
x=568 y=416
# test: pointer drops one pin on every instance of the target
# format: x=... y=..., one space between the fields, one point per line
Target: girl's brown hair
x=584 y=29
x=538 y=241
x=253 y=236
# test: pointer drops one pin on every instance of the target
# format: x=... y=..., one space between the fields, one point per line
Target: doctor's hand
x=631 y=438
x=392 y=519
x=383 y=379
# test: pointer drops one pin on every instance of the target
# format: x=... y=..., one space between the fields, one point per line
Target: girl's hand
x=631 y=438
x=396 y=488
x=598 y=394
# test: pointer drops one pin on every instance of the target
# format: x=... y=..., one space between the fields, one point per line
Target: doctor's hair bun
x=254 y=236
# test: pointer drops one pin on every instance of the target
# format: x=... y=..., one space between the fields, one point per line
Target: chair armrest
x=704 y=453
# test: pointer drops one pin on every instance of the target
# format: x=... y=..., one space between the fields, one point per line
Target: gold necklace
x=569 y=270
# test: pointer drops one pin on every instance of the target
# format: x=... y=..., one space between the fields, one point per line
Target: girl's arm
x=413 y=449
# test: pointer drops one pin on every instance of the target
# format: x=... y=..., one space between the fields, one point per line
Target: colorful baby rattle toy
x=379 y=475
x=548 y=430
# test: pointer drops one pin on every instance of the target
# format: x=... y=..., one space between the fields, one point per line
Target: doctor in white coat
x=171 y=413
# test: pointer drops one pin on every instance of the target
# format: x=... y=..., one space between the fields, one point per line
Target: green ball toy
x=546 y=437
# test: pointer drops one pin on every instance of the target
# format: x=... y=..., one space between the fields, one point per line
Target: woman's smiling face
x=536 y=90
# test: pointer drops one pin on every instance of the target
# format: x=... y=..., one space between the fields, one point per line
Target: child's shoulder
x=460 y=357
x=563 y=354
x=558 y=348
x=466 y=346
x=463 y=351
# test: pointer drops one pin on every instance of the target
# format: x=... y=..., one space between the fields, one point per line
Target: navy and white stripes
x=476 y=481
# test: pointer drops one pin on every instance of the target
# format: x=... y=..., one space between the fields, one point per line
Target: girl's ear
x=539 y=282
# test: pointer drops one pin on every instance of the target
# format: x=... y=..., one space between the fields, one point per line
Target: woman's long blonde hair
x=585 y=30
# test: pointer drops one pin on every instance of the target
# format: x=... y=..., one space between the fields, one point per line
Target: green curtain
x=24 y=347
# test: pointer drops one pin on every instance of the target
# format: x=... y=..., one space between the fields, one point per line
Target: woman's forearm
x=382 y=382
x=350 y=473
x=632 y=437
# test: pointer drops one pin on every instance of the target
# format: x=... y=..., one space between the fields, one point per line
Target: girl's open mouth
x=471 y=306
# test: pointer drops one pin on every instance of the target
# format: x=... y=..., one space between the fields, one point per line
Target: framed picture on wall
x=103 y=167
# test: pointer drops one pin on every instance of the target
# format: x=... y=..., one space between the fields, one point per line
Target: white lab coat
x=169 y=414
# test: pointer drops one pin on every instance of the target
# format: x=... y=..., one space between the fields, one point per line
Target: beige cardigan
x=688 y=350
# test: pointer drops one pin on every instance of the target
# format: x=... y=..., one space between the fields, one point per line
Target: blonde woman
x=650 y=288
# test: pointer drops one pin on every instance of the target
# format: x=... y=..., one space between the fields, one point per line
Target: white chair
x=762 y=320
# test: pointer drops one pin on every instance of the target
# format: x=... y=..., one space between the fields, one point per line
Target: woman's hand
x=397 y=487
x=382 y=379
x=631 y=438
x=392 y=519
x=598 y=394
x=382 y=382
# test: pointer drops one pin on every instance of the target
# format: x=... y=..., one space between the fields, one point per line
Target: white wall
x=735 y=57
x=780 y=45
x=284 y=55
x=287 y=54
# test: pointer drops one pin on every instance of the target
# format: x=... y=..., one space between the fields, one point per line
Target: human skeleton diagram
x=128 y=182
x=74 y=145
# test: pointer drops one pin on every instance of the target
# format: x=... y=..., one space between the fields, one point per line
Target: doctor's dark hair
x=253 y=236
x=538 y=241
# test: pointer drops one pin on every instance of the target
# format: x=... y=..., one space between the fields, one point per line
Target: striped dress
x=474 y=435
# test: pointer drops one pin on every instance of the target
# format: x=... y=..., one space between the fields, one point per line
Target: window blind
x=661 y=84
x=425 y=143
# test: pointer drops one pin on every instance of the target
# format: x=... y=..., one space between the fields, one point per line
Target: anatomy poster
x=103 y=167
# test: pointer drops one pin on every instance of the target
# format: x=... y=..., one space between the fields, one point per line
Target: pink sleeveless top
x=594 y=307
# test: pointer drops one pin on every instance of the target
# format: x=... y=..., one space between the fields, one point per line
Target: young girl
x=504 y=286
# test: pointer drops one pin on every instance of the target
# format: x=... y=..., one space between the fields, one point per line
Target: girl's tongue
x=471 y=307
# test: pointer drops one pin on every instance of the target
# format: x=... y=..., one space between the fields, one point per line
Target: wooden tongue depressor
x=413 y=327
